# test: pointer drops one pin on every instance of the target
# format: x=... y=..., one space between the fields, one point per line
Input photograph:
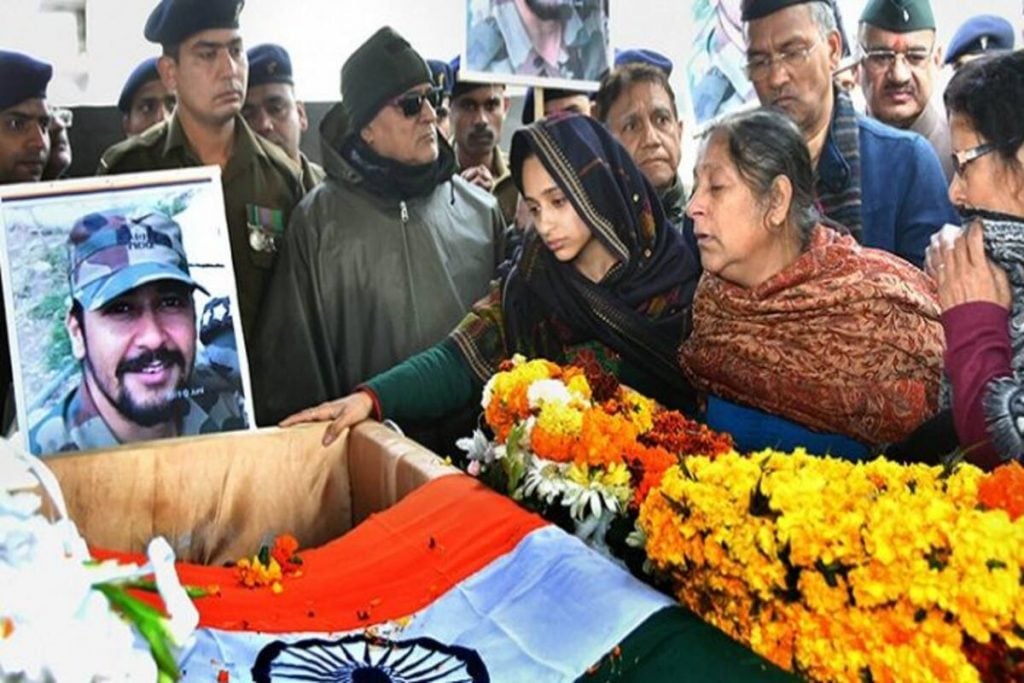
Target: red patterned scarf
x=845 y=340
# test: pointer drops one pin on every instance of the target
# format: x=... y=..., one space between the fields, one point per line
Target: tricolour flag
x=455 y=583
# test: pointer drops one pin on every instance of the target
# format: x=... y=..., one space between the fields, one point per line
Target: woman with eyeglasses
x=980 y=270
x=801 y=337
x=603 y=278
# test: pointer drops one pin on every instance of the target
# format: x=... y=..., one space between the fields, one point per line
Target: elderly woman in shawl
x=980 y=271
x=801 y=337
x=603 y=277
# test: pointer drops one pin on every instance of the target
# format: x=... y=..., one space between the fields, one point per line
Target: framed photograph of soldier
x=121 y=310
x=541 y=43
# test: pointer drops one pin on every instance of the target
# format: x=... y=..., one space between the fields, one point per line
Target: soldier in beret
x=637 y=105
x=145 y=100
x=24 y=117
x=272 y=110
x=884 y=185
x=24 y=152
x=204 y=64
x=977 y=37
x=132 y=325
x=478 y=115
x=899 y=62
x=386 y=255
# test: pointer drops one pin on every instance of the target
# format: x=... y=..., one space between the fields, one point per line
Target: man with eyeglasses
x=272 y=110
x=478 y=113
x=384 y=257
x=144 y=100
x=24 y=150
x=899 y=62
x=884 y=185
x=204 y=64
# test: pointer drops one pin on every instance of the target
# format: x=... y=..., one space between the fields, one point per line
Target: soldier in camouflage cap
x=132 y=326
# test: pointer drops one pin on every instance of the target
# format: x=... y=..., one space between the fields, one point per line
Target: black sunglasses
x=412 y=103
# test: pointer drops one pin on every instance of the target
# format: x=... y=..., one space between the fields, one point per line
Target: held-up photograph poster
x=122 y=313
x=539 y=43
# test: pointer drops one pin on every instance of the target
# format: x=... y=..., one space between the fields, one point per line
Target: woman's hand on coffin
x=964 y=274
x=342 y=413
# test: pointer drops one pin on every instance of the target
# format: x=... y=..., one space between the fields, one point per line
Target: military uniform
x=261 y=187
x=312 y=174
x=500 y=45
x=212 y=403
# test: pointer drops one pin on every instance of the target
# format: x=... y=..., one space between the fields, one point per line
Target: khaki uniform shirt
x=261 y=187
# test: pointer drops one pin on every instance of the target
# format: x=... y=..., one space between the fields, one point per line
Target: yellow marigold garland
x=839 y=570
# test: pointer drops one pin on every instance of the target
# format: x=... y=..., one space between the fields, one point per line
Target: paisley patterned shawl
x=640 y=310
x=845 y=340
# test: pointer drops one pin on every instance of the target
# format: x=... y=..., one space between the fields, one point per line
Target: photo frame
x=503 y=43
x=122 y=311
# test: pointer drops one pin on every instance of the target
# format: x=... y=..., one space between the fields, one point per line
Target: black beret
x=143 y=74
x=757 y=9
x=383 y=67
x=899 y=16
x=269 y=63
x=460 y=87
x=978 y=35
x=175 y=20
x=443 y=75
x=22 y=78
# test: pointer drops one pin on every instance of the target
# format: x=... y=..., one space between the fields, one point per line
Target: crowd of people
x=839 y=278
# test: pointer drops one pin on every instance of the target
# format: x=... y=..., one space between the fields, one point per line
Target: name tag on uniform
x=265 y=226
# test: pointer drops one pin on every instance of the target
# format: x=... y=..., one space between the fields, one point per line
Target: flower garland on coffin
x=572 y=437
x=849 y=572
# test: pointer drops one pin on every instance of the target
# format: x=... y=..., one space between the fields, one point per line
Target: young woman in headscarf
x=801 y=337
x=602 y=278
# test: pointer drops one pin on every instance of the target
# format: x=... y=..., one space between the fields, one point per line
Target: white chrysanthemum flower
x=548 y=391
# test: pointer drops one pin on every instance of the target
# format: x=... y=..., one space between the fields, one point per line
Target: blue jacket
x=904 y=195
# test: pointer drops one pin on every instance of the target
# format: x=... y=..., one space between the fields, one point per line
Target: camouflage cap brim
x=102 y=291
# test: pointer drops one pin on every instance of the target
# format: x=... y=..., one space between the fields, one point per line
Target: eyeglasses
x=964 y=157
x=883 y=59
x=412 y=103
x=758 y=68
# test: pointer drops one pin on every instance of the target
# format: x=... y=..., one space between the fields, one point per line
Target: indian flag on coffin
x=455 y=583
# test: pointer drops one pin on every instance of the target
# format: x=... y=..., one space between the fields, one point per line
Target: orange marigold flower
x=285 y=551
x=1003 y=489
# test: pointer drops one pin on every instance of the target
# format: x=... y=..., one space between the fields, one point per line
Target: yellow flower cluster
x=841 y=571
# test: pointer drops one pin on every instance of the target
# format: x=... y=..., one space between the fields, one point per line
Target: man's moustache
x=163 y=355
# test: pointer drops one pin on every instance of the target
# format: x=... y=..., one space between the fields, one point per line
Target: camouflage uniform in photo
x=213 y=404
x=500 y=45
x=109 y=255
